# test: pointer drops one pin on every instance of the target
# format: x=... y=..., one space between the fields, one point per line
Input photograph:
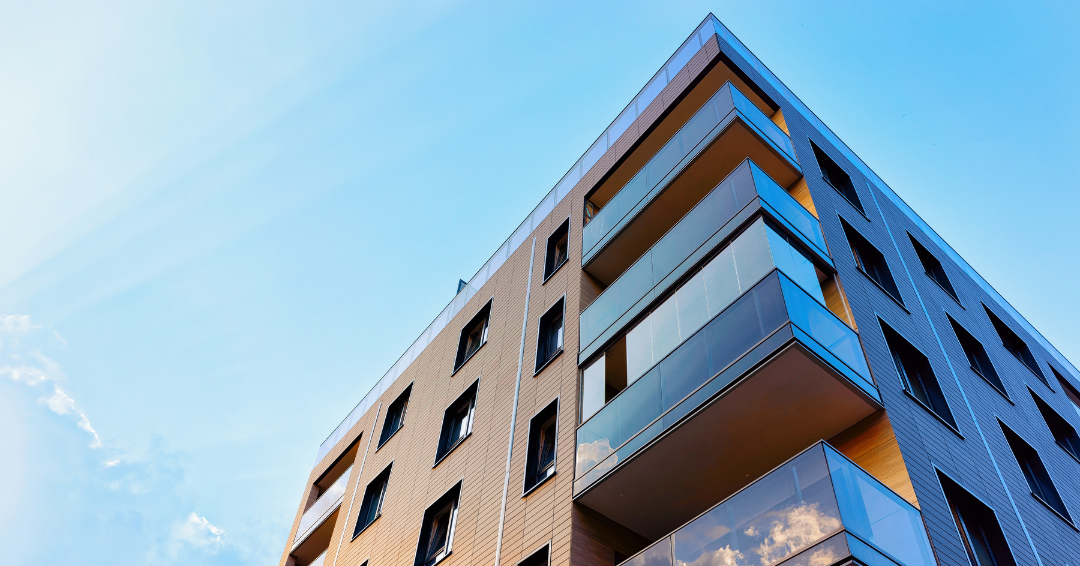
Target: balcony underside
x=690 y=182
x=316 y=543
x=729 y=442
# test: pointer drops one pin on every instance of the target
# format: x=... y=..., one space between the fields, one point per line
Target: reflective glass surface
x=327 y=502
x=711 y=215
x=796 y=512
x=727 y=100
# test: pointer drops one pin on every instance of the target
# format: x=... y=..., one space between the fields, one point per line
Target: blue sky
x=221 y=222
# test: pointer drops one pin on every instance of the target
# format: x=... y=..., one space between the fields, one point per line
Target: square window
x=977 y=358
x=549 y=341
x=916 y=375
x=1064 y=433
x=540 y=461
x=1038 y=479
x=558 y=250
x=395 y=416
x=538 y=558
x=836 y=177
x=374 y=495
x=457 y=422
x=473 y=335
x=978 y=527
x=437 y=529
x=1015 y=345
x=871 y=262
x=933 y=268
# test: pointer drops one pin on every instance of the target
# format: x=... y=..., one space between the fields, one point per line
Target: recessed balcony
x=317 y=523
x=772 y=372
x=747 y=191
x=818 y=508
x=727 y=130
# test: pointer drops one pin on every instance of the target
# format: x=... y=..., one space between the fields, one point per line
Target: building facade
x=721 y=339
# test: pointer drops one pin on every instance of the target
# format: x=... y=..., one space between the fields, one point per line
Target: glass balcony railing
x=817 y=508
x=716 y=111
x=709 y=222
x=318 y=561
x=327 y=502
x=708 y=360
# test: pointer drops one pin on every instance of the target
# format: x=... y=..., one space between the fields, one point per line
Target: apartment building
x=721 y=339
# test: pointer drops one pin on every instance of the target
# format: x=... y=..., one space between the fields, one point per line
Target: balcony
x=725 y=131
x=316 y=515
x=742 y=194
x=774 y=371
x=817 y=508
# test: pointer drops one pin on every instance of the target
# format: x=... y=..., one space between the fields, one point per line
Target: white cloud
x=59 y=402
x=27 y=374
x=198 y=532
x=16 y=323
x=84 y=424
x=112 y=463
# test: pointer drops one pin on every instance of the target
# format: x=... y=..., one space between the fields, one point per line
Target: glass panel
x=684 y=370
x=721 y=281
x=639 y=351
x=794 y=264
x=658 y=554
x=763 y=123
x=789 y=208
x=877 y=515
x=593 y=155
x=651 y=91
x=692 y=305
x=788 y=510
x=823 y=326
x=665 y=328
x=592 y=389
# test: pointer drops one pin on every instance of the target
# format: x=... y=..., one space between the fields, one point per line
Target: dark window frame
x=863 y=251
x=1068 y=389
x=837 y=177
x=972 y=347
x=1015 y=345
x=933 y=268
x=1036 y=475
x=552 y=262
x=445 y=446
x=918 y=373
x=533 y=468
x=483 y=318
x=402 y=401
x=975 y=522
x=365 y=506
x=451 y=503
x=544 y=357
x=1065 y=435
x=531 y=559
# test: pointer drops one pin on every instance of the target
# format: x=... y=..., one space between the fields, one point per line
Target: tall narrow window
x=540 y=461
x=1070 y=391
x=437 y=529
x=978 y=527
x=395 y=416
x=1038 y=479
x=1015 y=345
x=836 y=177
x=457 y=422
x=933 y=268
x=473 y=336
x=871 y=262
x=557 y=249
x=538 y=558
x=1064 y=433
x=371 y=508
x=977 y=358
x=916 y=375
x=550 y=337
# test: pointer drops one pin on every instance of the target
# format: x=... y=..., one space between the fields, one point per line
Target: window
x=549 y=340
x=836 y=177
x=437 y=530
x=1035 y=472
x=371 y=508
x=457 y=422
x=540 y=463
x=1069 y=390
x=871 y=262
x=473 y=336
x=538 y=558
x=1064 y=433
x=933 y=268
x=395 y=416
x=916 y=375
x=557 y=249
x=1015 y=345
x=977 y=358
x=978 y=527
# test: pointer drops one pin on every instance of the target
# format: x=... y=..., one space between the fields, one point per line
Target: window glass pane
x=684 y=370
x=721 y=281
x=692 y=305
x=665 y=328
x=752 y=257
x=639 y=351
x=592 y=389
